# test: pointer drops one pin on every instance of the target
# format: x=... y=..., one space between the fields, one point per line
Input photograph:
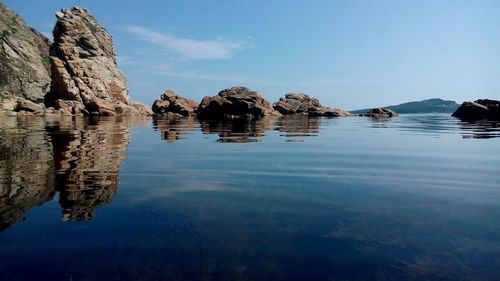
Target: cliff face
x=86 y=79
x=24 y=60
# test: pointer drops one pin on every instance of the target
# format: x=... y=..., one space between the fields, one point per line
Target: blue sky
x=349 y=54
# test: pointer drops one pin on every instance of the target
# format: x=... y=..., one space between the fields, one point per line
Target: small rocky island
x=235 y=102
x=299 y=103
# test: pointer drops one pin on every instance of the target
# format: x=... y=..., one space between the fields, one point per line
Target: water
x=411 y=198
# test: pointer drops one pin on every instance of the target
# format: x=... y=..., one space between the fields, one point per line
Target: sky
x=348 y=54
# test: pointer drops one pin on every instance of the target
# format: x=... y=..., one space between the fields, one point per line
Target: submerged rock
x=235 y=102
x=171 y=103
x=479 y=109
x=85 y=77
x=299 y=103
x=380 y=113
x=24 y=55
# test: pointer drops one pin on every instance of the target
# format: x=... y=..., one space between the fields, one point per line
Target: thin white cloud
x=187 y=48
x=168 y=71
x=336 y=81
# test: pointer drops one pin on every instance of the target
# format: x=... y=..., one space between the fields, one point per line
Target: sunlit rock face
x=26 y=168
x=86 y=79
x=303 y=104
x=171 y=103
x=235 y=102
x=88 y=159
x=24 y=55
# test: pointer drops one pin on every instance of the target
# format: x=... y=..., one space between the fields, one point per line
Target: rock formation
x=85 y=76
x=380 y=113
x=479 y=109
x=299 y=103
x=235 y=102
x=26 y=168
x=24 y=66
x=171 y=102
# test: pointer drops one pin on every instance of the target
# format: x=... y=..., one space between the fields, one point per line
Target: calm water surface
x=412 y=198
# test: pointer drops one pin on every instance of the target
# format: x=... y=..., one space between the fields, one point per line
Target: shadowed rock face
x=478 y=110
x=235 y=102
x=171 y=102
x=24 y=60
x=26 y=169
x=88 y=159
x=380 y=113
x=86 y=79
x=299 y=103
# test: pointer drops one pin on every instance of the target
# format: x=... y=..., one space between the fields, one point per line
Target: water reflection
x=88 y=156
x=26 y=168
x=482 y=129
x=293 y=128
x=239 y=130
x=296 y=127
x=81 y=158
x=174 y=129
x=76 y=157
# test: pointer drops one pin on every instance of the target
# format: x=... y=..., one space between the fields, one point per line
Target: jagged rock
x=24 y=56
x=380 y=113
x=171 y=102
x=235 y=102
x=85 y=75
x=296 y=103
x=479 y=109
x=299 y=103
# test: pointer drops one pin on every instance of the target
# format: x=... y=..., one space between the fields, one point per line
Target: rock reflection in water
x=293 y=128
x=88 y=156
x=174 y=129
x=482 y=129
x=296 y=127
x=237 y=131
x=26 y=168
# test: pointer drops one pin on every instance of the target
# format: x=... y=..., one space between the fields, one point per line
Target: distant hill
x=424 y=106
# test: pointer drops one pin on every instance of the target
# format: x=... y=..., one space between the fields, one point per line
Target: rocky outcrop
x=380 y=113
x=478 y=110
x=299 y=103
x=171 y=103
x=85 y=76
x=235 y=102
x=24 y=56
